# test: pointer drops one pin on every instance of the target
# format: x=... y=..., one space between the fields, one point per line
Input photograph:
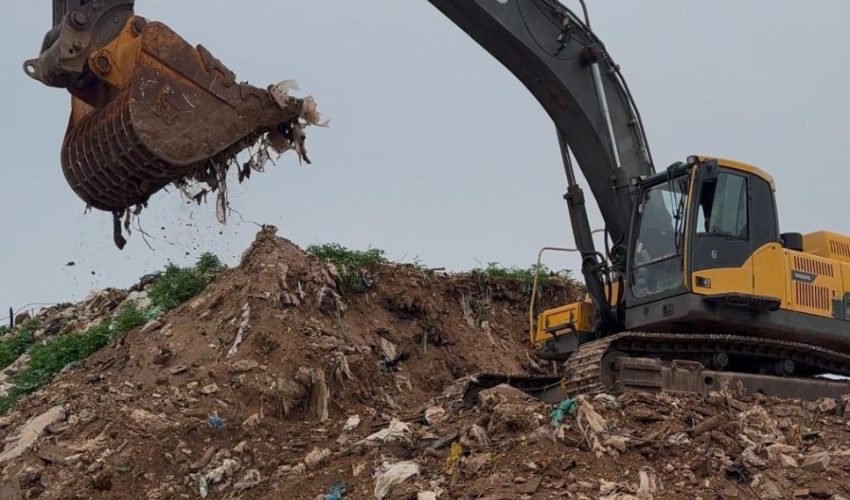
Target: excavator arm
x=568 y=70
x=570 y=73
x=149 y=109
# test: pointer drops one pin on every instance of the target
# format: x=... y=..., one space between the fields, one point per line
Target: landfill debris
x=336 y=492
x=352 y=423
x=392 y=475
x=307 y=400
x=18 y=443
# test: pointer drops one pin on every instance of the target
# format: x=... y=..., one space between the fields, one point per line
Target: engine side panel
x=827 y=244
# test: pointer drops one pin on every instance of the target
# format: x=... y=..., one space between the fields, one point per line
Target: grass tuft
x=341 y=256
x=524 y=276
x=175 y=285
x=14 y=346
x=353 y=266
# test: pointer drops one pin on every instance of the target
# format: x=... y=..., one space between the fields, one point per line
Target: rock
x=242 y=366
x=178 y=369
x=52 y=453
x=151 y=326
x=520 y=480
x=22 y=318
x=434 y=415
x=750 y=458
x=585 y=485
x=31 y=432
x=140 y=298
x=150 y=421
x=389 y=349
x=209 y=389
x=352 y=423
x=817 y=462
x=771 y=491
x=827 y=405
x=776 y=449
x=788 y=461
x=475 y=463
x=316 y=458
x=426 y=495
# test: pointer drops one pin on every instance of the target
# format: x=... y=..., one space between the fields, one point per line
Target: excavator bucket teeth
x=173 y=109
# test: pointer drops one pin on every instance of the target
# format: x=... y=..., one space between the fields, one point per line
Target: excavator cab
x=697 y=231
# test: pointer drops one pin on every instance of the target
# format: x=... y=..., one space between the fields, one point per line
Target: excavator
x=697 y=288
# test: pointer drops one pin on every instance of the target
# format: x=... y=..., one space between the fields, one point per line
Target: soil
x=277 y=383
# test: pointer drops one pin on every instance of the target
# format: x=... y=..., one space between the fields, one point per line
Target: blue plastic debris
x=336 y=492
x=567 y=406
x=216 y=422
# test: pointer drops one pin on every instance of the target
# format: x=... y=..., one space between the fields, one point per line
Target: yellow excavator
x=697 y=287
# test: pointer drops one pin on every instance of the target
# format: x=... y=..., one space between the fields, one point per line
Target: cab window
x=723 y=207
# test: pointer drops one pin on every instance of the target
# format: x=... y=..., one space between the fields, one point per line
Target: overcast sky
x=434 y=150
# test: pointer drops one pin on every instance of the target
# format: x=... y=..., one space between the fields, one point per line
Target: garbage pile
x=291 y=377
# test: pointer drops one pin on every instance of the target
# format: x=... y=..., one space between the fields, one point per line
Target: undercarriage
x=687 y=363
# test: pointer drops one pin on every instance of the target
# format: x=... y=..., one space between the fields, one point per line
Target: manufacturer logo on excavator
x=804 y=277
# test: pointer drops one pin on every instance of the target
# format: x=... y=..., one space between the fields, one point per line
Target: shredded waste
x=261 y=150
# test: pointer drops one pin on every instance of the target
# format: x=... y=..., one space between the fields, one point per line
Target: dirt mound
x=291 y=377
x=276 y=354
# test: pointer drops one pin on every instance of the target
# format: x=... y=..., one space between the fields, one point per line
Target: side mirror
x=710 y=171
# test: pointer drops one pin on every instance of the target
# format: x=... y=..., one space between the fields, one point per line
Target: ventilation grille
x=839 y=248
x=813 y=296
x=812 y=266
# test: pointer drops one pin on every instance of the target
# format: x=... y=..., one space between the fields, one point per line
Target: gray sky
x=434 y=148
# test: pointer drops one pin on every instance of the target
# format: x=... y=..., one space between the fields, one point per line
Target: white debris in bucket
x=309 y=113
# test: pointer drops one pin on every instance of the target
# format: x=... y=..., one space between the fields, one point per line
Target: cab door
x=721 y=250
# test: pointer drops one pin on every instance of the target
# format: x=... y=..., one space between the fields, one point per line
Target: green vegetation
x=172 y=287
x=341 y=256
x=353 y=266
x=525 y=276
x=16 y=344
x=49 y=358
x=11 y=348
x=175 y=285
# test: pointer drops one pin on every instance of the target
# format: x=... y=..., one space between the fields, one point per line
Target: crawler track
x=585 y=370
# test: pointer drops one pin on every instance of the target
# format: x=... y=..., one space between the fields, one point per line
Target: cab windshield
x=657 y=264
